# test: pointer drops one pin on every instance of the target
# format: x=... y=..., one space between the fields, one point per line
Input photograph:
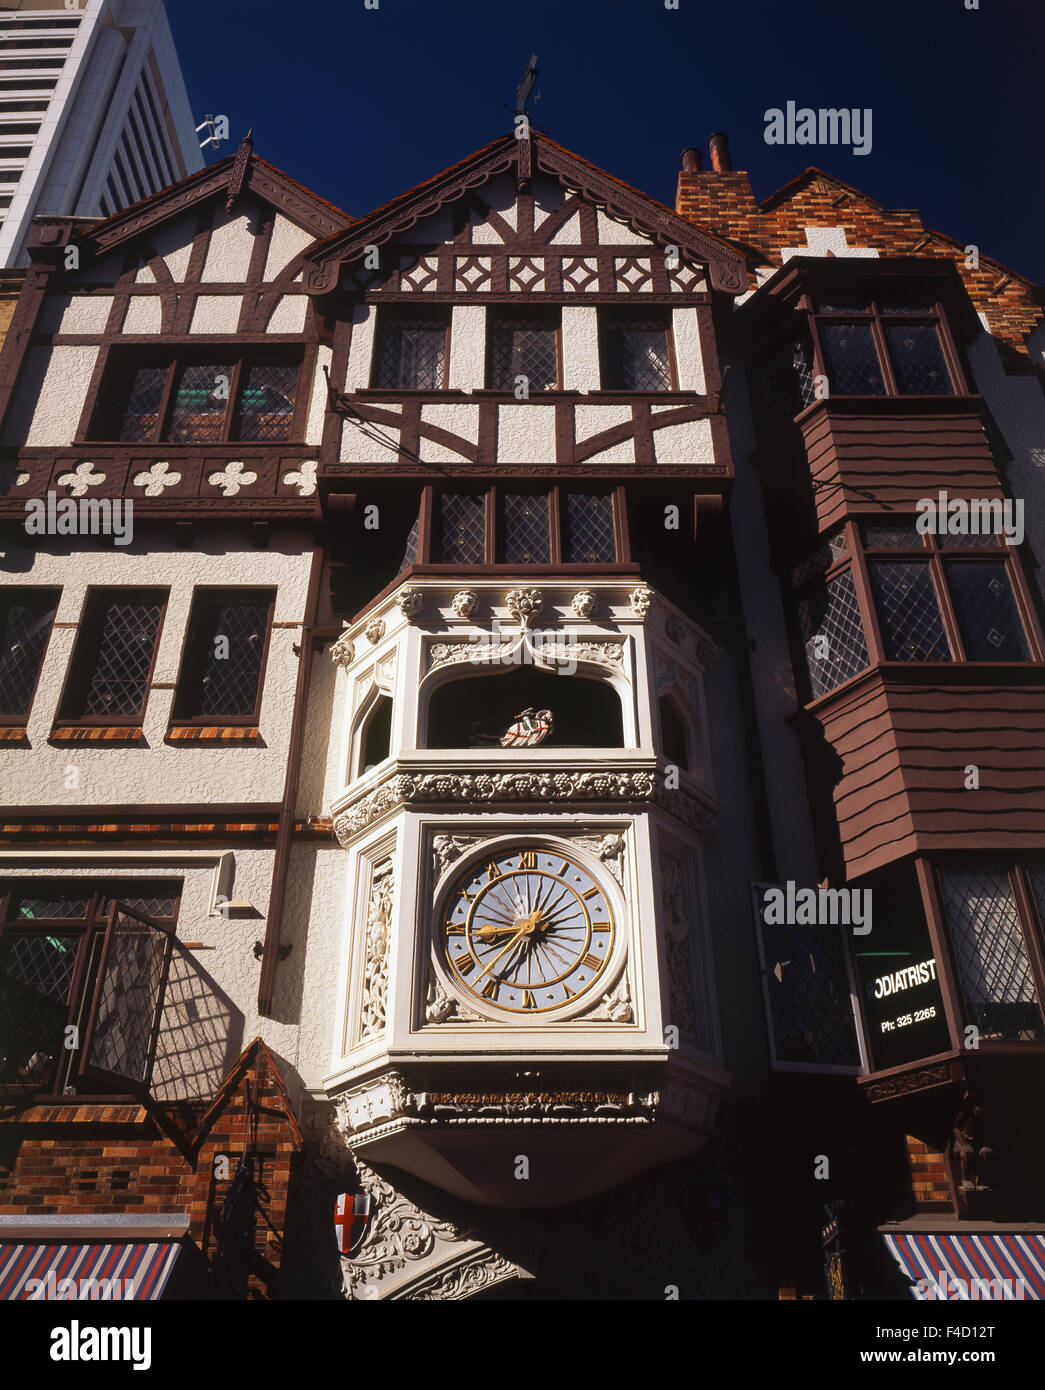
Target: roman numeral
x=465 y=963
x=455 y=929
x=590 y=893
x=490 y=989
x=600 y=926
x=529 y=1001
x=567 y=992
x=565 y=868
x=592 y=962
x=528 y=860
x=492 y=871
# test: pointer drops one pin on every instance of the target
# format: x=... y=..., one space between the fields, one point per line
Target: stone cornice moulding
x=641 y=787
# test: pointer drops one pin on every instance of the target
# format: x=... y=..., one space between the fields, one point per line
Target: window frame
x=102 y=419
x=636 y=313
x=94 y=931
x=501 y=313
x=201 y=592
x=21 y=721
x=874 y=316
x=428 y=538
x=386 y=314
x=65 y=721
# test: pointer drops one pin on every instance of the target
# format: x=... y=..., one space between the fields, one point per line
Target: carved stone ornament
x=448 y=848
x=476 y=1272
x=544 y=647
x=540 y=786
x=409 y=602
x=584 y=603
x=440 y=1007
x=707 y=652
x=379 y=915
x=343 y=652
x=676 y=940
x=614 y=1007
x=524 y=604
x=608 y=848
x=675 y=628
x=641 y=600
x=374 y=631
x=478 y=651
x=464 y=603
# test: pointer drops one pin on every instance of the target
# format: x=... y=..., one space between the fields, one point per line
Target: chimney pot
x=692 y=162
x=720 y=160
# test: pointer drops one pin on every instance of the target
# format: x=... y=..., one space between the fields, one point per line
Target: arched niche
x=472 y=708
x=371 y=732
x=676 y=737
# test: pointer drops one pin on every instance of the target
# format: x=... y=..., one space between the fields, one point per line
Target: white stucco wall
x=49 y=402
x=580 y=348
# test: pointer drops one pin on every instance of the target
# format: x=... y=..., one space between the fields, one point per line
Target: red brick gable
x=723 y=204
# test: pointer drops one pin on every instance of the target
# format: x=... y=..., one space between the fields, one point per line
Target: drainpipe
x=285 y=832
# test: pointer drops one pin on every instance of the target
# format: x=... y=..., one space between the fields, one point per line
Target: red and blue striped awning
x=977 y=1265
x=40 y=1271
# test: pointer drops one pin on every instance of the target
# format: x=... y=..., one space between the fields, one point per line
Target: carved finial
x=239 y=170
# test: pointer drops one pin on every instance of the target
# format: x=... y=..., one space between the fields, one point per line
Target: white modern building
x=94 y=115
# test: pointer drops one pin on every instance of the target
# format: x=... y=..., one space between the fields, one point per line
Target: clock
x=526 y=931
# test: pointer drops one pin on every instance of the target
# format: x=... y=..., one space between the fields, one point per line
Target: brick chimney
x=718 y=199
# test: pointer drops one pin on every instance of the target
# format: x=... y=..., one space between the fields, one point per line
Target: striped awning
x=125 y=1271
x=977 y=1265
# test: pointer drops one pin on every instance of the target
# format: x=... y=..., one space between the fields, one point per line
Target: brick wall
x=928 y=1173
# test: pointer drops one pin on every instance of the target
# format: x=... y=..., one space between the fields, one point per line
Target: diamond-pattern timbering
x=142 y=408
x=908 y=612
x=462 y=528
x=524 y=536
x=473 y=273
x=833 y=633
x=851 y=359
x=632 y=273
x=526 y=273
x=266 y=406
x=418 y=273
x=201 y=400
x=580 y=273
x=589 y=537
x=684 y=277
x=988 y=620
x=917 y=359
x=989 y=953
x=360 y=279
x=228 y=632
x=523 y=347
x=121 y=668
x=411 y=354
x=25 y=626
x=36 y=974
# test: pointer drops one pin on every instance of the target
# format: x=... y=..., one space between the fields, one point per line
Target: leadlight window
x=461 y=537
x=999 y=993
x=411 y=352
x=198 y=397
x=224 y=655
x=636 y=354
x=883 y=348
x=113 y=658
x=523 y=352
x=91 y=956
x=831 y=623
x=588 y=537
x=523 y=533
x=524 y=528
x=908 y=612
x=26 y=619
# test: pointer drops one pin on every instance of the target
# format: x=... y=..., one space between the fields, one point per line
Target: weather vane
x=525 y=88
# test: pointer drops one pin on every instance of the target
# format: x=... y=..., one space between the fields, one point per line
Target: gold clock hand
x=528 y=926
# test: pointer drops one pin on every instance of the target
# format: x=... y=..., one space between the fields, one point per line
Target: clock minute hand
x=521 y=932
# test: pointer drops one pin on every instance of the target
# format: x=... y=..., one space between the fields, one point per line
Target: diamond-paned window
x=462 y=528
x=142 y=409
x=523 y=534
x=588 y=536
x=411 y=353
x=908 y=612
x=113 y=657
x=851 y=359
x=523 y=346
x=413 y=540
x=266 y=406
x=786 y=378
x=988 y=541
x=635 y=354
x=52 y=907
x=223 y=655
x=897 y=537
x=128 y=995
x=36 y=973
x=988 y=619
x=26 y=618
x=201 y=400
x=917 y=358
x=833 y=633
x=990 y=954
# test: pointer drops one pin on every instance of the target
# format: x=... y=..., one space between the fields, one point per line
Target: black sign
x=900 y=989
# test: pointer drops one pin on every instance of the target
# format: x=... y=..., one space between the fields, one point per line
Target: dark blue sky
x=360 y=104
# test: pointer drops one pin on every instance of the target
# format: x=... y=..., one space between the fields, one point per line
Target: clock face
x=527 y=931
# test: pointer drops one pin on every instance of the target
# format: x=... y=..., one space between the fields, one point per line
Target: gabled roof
x=236 y=173
x=643 y=214
x=270 y=1081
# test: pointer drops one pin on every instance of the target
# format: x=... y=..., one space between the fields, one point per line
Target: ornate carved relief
x=614 y=1007
x=676 y=940
x=608 y=848
x=524 y=604
x=374 y=630
x=375 y=978
x=447 y=848
x=464 y=603
x=641 y=599
x=584 y=603
x=409 y=602
x=478 y=652
x=343 y=652
x=541 y=645
x=441 y=1008
x=468 y=1277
